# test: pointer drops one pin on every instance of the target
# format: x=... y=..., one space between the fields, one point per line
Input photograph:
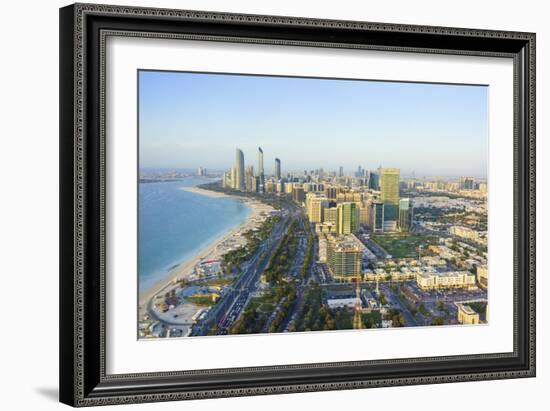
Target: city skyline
x=452 y=118
x=308 y=220
x=319 y=252
x=217 y=172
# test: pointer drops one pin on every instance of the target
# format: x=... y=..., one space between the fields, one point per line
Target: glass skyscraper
x=261 y=169
x=348 y=218
x=277 y=169
x=239 y=170
x=405 y=214
x=389 y=192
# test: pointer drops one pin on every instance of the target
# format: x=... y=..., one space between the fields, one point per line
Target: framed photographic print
x=262 y=204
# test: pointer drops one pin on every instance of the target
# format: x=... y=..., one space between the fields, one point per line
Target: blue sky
x=188 y=120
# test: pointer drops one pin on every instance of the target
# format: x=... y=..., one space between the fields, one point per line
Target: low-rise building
x=402 y=275
x=341 y=302
x=448 y=279
x=433 y=261
x=378 y=274
x=466 y=315
x=464 y=232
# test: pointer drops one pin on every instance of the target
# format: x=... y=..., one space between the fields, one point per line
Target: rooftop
x=346 y=243
x=466 y=309
x=426 y=274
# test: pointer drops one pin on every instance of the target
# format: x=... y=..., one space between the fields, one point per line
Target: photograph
x=280 y=204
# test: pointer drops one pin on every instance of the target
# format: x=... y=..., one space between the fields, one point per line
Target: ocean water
x=175 y=225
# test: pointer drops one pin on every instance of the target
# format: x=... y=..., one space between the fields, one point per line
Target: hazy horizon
x=347 y=173
x=187 y=120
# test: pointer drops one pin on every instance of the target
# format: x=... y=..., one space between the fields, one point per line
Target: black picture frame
x=83 y=29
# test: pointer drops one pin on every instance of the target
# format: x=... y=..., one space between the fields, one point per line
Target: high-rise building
x=261 y=174
x=315 y=206
x=349 y=196
x=277 y=169
x=330 y=215
x=288 y=188
x=270 y=186
x=233 y=177
x=260 y=161
x=467 y=183
x=374 y=181
x=389 y=192
x=376 y=216
x=226 y=180
x=330 y=192
x=363 y=214
x=348 y=218
x=281 y=186
x=250 y=179
x=239 y=170
x=298 y=194
x=344 y=256
x=322 y=254
x=405 y=214
x=341 y=172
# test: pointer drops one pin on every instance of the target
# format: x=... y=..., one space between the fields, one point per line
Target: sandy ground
x=207 y=193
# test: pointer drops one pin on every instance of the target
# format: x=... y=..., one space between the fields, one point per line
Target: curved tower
x=261 y=168
x=239 y=170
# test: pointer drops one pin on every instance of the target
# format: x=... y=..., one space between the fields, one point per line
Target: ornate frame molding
x=83 y=41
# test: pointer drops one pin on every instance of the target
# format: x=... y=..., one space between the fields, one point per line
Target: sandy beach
x=208 y=193
x=211 y=252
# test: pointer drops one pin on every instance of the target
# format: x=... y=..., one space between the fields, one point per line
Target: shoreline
x=209 y=252
x=213 y=194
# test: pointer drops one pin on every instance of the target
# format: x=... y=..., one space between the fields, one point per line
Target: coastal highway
x=311 y=275
x=253 y=275
x=232 y=303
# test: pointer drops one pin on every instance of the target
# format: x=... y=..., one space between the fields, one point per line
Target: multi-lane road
x=234 y=300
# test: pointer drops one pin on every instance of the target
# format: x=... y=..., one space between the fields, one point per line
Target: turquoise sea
x=175 y=225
